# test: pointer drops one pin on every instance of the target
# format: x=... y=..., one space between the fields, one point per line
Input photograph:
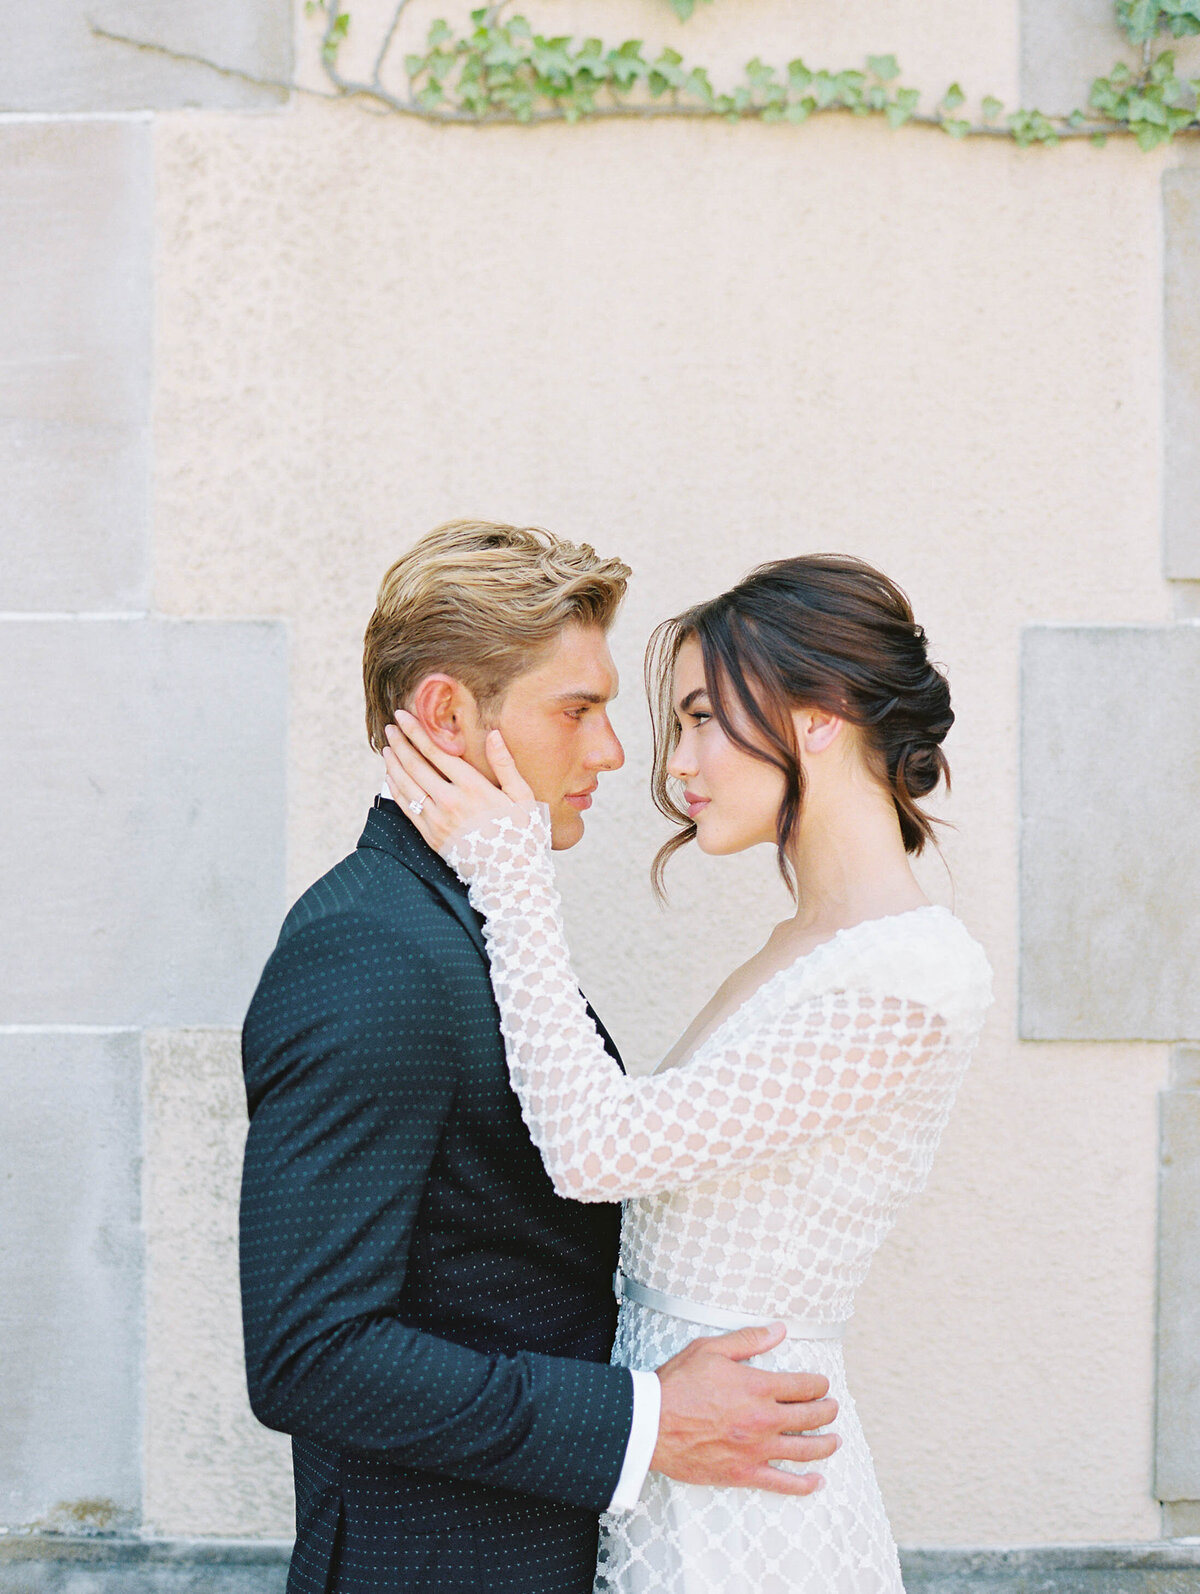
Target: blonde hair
x=481 y=602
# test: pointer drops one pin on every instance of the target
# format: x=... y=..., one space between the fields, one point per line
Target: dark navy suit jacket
x=423 y=1314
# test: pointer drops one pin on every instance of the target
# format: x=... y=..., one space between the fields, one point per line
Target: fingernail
x=820 y=1484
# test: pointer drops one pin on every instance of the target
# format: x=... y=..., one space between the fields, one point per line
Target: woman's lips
x=580 y=799
x=695 y=804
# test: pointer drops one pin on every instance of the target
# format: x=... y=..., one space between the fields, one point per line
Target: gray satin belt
x=717 y=1316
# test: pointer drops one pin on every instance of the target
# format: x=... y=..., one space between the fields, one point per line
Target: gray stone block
x=1181 y=374
x=75 y=249
x=143 y=814
x=1177 y=1430
x=1181 y=1519
x=71 y=1264
x=54 y=62
x=1110 y=833
x=1065 y=44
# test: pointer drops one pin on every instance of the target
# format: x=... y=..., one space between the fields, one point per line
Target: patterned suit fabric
x=423 y=1314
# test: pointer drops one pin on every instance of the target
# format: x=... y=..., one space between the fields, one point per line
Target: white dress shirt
x=647 y=1409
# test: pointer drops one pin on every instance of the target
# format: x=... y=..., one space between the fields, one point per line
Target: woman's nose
x=680 y=764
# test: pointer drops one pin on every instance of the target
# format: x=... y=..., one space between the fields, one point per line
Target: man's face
x=554 y=720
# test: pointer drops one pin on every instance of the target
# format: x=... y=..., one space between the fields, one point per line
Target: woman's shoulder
x=924 y=955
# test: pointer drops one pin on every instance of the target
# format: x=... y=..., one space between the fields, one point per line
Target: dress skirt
x=685 y=1538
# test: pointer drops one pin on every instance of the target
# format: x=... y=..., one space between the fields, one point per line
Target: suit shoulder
x=368 y=884
x=368 y=926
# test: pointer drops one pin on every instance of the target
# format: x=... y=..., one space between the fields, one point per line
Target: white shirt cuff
x=643 y=1436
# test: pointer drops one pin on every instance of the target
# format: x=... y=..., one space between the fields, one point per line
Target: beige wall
x=699 y=346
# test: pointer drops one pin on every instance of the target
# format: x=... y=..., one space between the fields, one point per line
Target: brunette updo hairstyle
x=821 y=631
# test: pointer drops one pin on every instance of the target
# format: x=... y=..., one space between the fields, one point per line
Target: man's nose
x=609 y=754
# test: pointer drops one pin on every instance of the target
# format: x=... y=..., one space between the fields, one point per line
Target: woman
x=765 y=1159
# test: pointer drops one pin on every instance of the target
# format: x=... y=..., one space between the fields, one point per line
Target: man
x=424 y=1315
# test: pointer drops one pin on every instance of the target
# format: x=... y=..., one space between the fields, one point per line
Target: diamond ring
x=416 y=805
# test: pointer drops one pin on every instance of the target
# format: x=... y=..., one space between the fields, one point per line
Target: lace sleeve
x=812 y=1069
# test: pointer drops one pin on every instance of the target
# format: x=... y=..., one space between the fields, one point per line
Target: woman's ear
x=817 y=730
x=446 y=711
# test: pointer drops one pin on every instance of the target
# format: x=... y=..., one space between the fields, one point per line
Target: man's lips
x=694 y=804
x=580 y=799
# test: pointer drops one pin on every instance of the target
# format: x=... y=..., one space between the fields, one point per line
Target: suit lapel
x=389 y=830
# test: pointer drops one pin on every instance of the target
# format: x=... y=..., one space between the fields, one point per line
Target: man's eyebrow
x=583 y=697
x=699 y=691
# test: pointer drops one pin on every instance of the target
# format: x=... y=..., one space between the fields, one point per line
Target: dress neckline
x=790 y=967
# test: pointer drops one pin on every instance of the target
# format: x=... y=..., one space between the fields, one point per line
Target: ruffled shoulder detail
x=926 y=956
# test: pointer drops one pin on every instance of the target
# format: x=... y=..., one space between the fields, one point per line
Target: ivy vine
x=499 y=69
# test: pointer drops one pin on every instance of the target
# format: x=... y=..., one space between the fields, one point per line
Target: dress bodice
x=763 y=1173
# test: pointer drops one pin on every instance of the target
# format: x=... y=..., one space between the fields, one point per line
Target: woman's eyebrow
x=696 y=692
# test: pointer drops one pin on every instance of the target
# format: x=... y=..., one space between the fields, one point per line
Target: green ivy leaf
x=992 y=107
x=698 y=85
x=953 y=98
x=683 y=8
x=956 y=129
x=1139 y=18
x=885 y=67
x=904 y=108
x=1150 y=136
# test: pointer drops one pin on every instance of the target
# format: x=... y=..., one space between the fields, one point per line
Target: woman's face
x=733 y=798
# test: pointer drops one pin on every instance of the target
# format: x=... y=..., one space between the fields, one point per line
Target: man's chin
x=566 y=827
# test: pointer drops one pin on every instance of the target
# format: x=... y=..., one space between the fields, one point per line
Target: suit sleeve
x=350 y=1077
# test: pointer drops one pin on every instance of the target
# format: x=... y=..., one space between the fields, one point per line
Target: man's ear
x=446 y=710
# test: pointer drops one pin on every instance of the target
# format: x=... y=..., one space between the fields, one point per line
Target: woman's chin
x=716 y=845
x=718 y=842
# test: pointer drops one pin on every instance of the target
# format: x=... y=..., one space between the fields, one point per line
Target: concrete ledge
x=1165 y=1568
x=30 y=1564
x=33 y=1565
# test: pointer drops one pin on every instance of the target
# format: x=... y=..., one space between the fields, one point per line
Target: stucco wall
x=701 y=346
x=698 y=346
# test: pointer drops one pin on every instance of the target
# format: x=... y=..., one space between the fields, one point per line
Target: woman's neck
x=850 y=861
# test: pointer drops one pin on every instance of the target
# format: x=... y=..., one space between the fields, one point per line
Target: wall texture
x=698 y=346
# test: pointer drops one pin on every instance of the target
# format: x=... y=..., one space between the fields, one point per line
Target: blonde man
x=423 y=1314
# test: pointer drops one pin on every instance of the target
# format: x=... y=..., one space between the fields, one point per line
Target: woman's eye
x=699 y=716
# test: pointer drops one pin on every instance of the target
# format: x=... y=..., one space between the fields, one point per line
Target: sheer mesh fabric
x=683 y=1538
x=760 y=1175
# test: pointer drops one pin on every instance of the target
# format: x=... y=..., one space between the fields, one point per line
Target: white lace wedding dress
x=759 y=1178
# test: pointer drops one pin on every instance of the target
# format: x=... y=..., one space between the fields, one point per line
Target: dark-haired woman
x=767 y=1157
